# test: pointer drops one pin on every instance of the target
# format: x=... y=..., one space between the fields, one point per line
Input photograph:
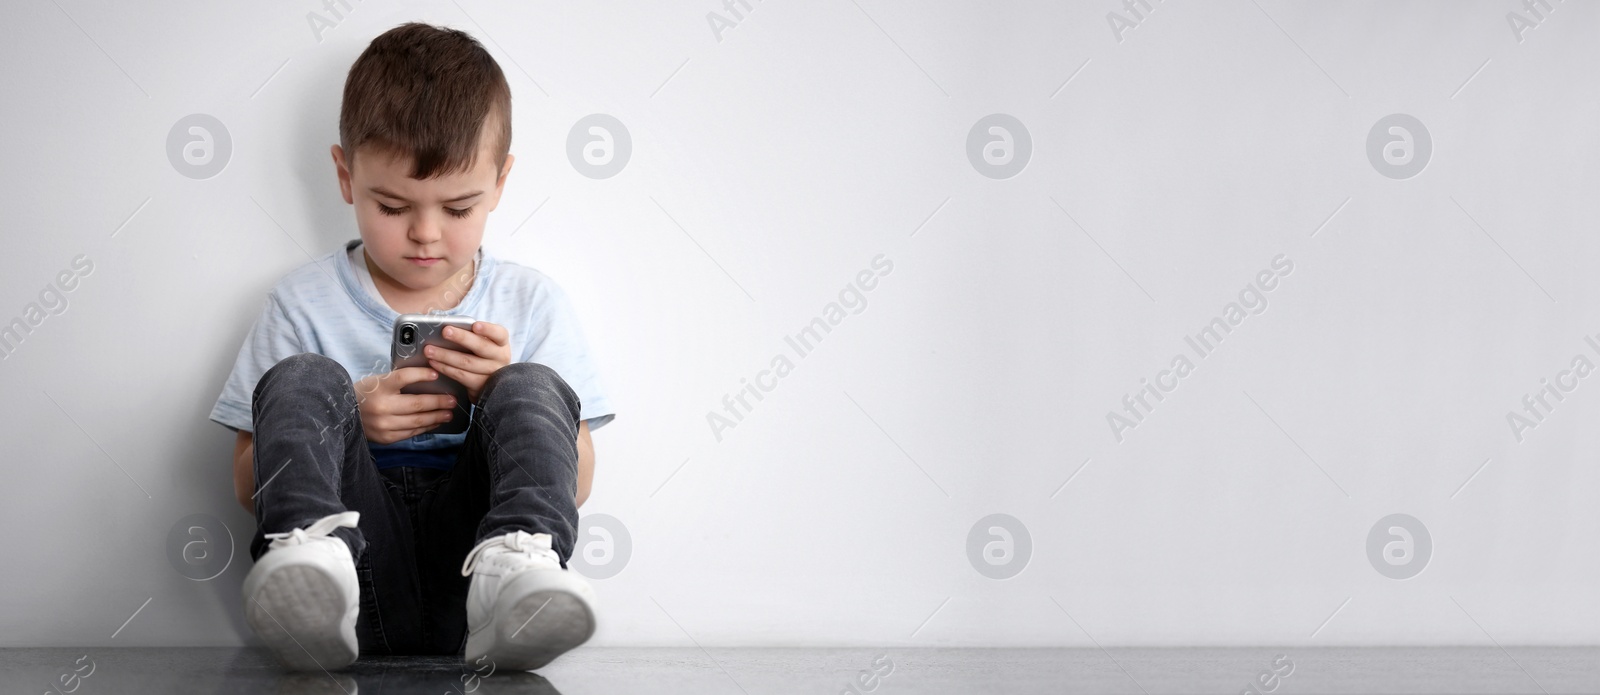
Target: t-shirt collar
x=382 y=312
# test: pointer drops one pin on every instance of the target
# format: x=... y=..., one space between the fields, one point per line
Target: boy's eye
x=395 y=211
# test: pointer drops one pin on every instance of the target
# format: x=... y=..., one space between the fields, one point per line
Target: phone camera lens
x=408 y=333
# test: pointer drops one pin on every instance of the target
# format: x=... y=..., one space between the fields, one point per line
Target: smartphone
x=411 y=333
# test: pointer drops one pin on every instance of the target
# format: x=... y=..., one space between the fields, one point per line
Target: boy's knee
x=307 y=368
x=311 y=362
x=532 y=376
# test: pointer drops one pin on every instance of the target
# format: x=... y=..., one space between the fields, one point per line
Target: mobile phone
x=411 y=333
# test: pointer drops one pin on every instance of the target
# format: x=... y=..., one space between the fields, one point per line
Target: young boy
x=375 y=536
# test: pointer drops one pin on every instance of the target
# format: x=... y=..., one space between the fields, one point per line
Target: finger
x=478 y=341
x=470 y=341
x=453 y=372
x=413 y=403
x=410 y=375
x=461 y=362
x=413 y=432
x=426 y=421
x=496 y=333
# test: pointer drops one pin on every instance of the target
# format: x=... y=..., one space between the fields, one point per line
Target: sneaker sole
x=540 y=626
x=299 y=611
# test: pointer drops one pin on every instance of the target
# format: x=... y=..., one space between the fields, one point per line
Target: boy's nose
x=425 y=232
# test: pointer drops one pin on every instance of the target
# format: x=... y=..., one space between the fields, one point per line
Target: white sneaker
x=302 y=596
x=523 y=610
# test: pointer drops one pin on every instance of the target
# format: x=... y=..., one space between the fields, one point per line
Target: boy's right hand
x=389 y=416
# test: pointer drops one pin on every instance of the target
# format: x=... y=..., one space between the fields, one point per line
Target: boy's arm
x=585 y=462
x=244 y=476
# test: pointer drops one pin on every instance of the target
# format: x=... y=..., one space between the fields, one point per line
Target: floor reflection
x=781 y=671
x=387 y=676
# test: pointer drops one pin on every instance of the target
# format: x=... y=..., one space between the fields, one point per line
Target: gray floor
x=96 y=670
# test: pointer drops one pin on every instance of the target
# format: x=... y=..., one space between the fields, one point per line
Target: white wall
x=814 y=136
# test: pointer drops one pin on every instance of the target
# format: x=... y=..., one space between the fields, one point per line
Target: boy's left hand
x=490 y=344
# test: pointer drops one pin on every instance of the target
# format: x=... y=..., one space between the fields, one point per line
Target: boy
x=374 y=535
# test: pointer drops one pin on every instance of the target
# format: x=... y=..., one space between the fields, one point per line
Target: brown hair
x=426 y=92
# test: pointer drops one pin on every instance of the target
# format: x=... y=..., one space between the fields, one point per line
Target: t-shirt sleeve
x=270 y=340
x=565 y=349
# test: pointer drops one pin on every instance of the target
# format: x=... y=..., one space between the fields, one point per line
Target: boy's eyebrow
x=385 y=193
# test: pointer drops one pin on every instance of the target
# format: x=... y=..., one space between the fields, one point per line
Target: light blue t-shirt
x=323 y=307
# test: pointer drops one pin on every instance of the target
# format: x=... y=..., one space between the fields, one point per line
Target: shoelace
x=516 y=541
x=321 y=528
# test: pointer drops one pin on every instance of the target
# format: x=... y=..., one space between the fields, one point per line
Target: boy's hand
x=490 y=344
x=389 y=416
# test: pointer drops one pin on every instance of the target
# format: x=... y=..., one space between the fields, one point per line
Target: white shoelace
x=321 y=528
x=529 y=544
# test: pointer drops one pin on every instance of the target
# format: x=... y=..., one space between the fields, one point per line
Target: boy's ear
x=343 y=169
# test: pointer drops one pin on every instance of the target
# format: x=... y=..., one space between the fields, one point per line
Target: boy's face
x=402 y=219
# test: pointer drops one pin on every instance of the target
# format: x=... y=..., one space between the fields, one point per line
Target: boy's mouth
x=423 y=261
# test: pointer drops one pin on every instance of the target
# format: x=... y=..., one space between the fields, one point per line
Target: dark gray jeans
x=517 y=470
